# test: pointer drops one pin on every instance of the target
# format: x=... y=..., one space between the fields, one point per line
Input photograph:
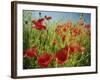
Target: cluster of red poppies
x=39 y=24
x=61 y=56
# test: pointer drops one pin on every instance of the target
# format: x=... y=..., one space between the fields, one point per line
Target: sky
x=62 y=16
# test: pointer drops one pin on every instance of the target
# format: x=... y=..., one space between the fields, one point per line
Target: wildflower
x=34 y=21
x=48 y=17
x=44 y=60
x=40 y=20
x=65 y=29
x=54 y=42
x=69 y=24
x=81 y=49
x=39 y=24
x=58 y=29
x=66 y=47
x=61 y=56
x=75 y=31
x=63 y=38
x=87 y=26
x=74 y=49
x=77 y=48
x=31 y=52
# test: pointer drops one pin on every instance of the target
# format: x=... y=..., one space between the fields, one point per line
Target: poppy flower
x=40 y=20
x=34 y=21
x=58 y=29
x=87 y=26
x=48 y=17
x=65 y=29
x=81 y=49
x=75 y=31
x=63 y=38
x=54 y=42
x=61 y=56
x=66 y=48
x=39 y=24
x=44 y=60
x=69 y=24
x=31 y=52
x=77 y=48
x=74 y=49
x=39 y=27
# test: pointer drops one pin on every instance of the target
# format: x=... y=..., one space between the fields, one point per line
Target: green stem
x=56 y=65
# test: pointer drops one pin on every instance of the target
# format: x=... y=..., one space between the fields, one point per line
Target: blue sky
x=62 y=16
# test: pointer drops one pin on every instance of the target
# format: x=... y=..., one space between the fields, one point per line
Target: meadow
x=49 y=43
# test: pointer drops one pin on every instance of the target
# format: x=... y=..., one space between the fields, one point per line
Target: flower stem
x=56 y=65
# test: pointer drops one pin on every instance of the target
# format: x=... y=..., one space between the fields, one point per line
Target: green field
x=49 y=44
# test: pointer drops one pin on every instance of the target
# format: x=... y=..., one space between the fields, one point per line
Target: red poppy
x=75 y=31
x=81 y=49
x=77 y=48
x=66 y=48
x=31 y=52
x=54 y=42
x=65 y=28
x=74 y=49
x=58 y=29
x=69 y=24
x=87 y=26
x=44 y=60
x=39 y=24
x=34 y=21
x=48 y=17
x=63 y=38
x=61 y=56
x=40 y=20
